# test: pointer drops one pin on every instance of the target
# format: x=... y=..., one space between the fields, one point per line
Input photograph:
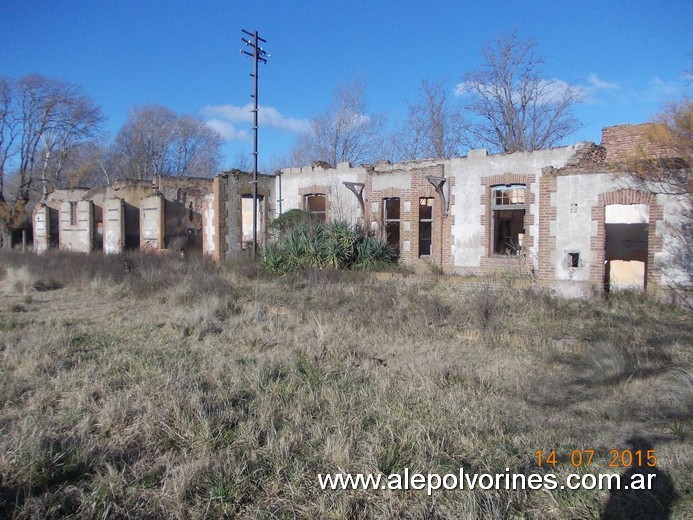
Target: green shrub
x=337 y=245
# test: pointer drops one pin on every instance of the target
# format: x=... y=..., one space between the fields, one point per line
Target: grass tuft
x=155 y=386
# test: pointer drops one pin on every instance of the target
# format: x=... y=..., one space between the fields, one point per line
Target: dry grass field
x=143 y=386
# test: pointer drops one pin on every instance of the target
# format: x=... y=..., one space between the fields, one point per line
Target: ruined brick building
x=564 y=215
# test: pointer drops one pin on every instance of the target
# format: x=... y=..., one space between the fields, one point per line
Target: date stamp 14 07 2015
x=585 y=458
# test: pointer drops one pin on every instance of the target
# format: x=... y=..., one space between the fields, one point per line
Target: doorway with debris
x=626 y=246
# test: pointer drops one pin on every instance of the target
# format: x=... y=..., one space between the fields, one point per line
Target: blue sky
x=628 y=56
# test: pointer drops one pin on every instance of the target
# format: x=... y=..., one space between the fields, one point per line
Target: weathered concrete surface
x=152 y=223
x=113 y=226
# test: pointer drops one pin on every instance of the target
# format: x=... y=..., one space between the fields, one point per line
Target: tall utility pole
x=258 y=55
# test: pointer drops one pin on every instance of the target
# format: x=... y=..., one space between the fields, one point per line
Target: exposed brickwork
x=489 y=261
x=624 y=142
x=587 y=159
x=546 y=272
x=232 y=186
x=409 y=197
x=597 y=243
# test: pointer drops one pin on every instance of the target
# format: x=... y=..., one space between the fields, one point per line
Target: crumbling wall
x=342 y=204
x=152 y=223
x=409 y=183
x=77 y=226
x=230 y=188
x=41 y=220
x=627 y=142
x=184 y=198
x=114 y=226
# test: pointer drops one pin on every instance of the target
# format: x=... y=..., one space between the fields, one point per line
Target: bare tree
x=516 y=108
x=345 y=133
x=42 y=121
x=242 y=161
x=434 y=128
x=196 y=148
x=156 y=141
x=143 y=142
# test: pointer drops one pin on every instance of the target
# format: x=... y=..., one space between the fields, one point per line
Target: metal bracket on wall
x=357 y=189
x=438 y=183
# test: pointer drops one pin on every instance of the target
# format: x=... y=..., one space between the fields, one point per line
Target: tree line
x=507 y=106
x=51 y=137
x=51 y=132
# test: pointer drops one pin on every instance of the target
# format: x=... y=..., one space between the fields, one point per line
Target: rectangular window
x=391 y=220
x=316 y=204
x=508 y=207
x=425 y=226
x=73 y=213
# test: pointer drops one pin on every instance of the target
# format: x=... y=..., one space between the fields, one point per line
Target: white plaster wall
x=626 y=214
x=209 y=230
x=151 y=220
x=343 y=204
x=78 y=237
x=674 y=208
x=114 y=226
x=573 y=231
x=41 y=231
x=468 y=172
x=399 y=180
x=467 y=230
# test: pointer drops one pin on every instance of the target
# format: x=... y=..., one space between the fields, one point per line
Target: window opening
x=73 y=213
x=508 y=208
x=573 y=259
x=425 y=226
x=391 y=218
x=316 y=204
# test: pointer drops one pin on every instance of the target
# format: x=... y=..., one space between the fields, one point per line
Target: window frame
x=429 y=222
x=321 y=215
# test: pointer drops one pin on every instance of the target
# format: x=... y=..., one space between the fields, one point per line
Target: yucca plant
x=314 y=244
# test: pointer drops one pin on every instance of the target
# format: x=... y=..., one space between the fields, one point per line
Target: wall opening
x=183 y=226
x=626 y=246
x=391 y=220
x=574 y=260
x=73 y=214
x=98 y=229
x=54 y=227
x=425 y=226
x=508 y=208
x=316 y=204
x=132 y=227
x=247 y=221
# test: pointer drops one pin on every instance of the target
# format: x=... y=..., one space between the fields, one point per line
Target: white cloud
x=599 y=92
x=227 y=131
x=225 y=117
x=552 y=90
x=597 y=84
x=660 y=89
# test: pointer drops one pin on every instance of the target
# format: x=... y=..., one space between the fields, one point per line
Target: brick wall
x=546 y=272
x=419 y=186
x=654 y=242
x=627 y=142
x=488 y=260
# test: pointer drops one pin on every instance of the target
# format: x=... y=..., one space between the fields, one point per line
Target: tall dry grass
x=156 y=387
